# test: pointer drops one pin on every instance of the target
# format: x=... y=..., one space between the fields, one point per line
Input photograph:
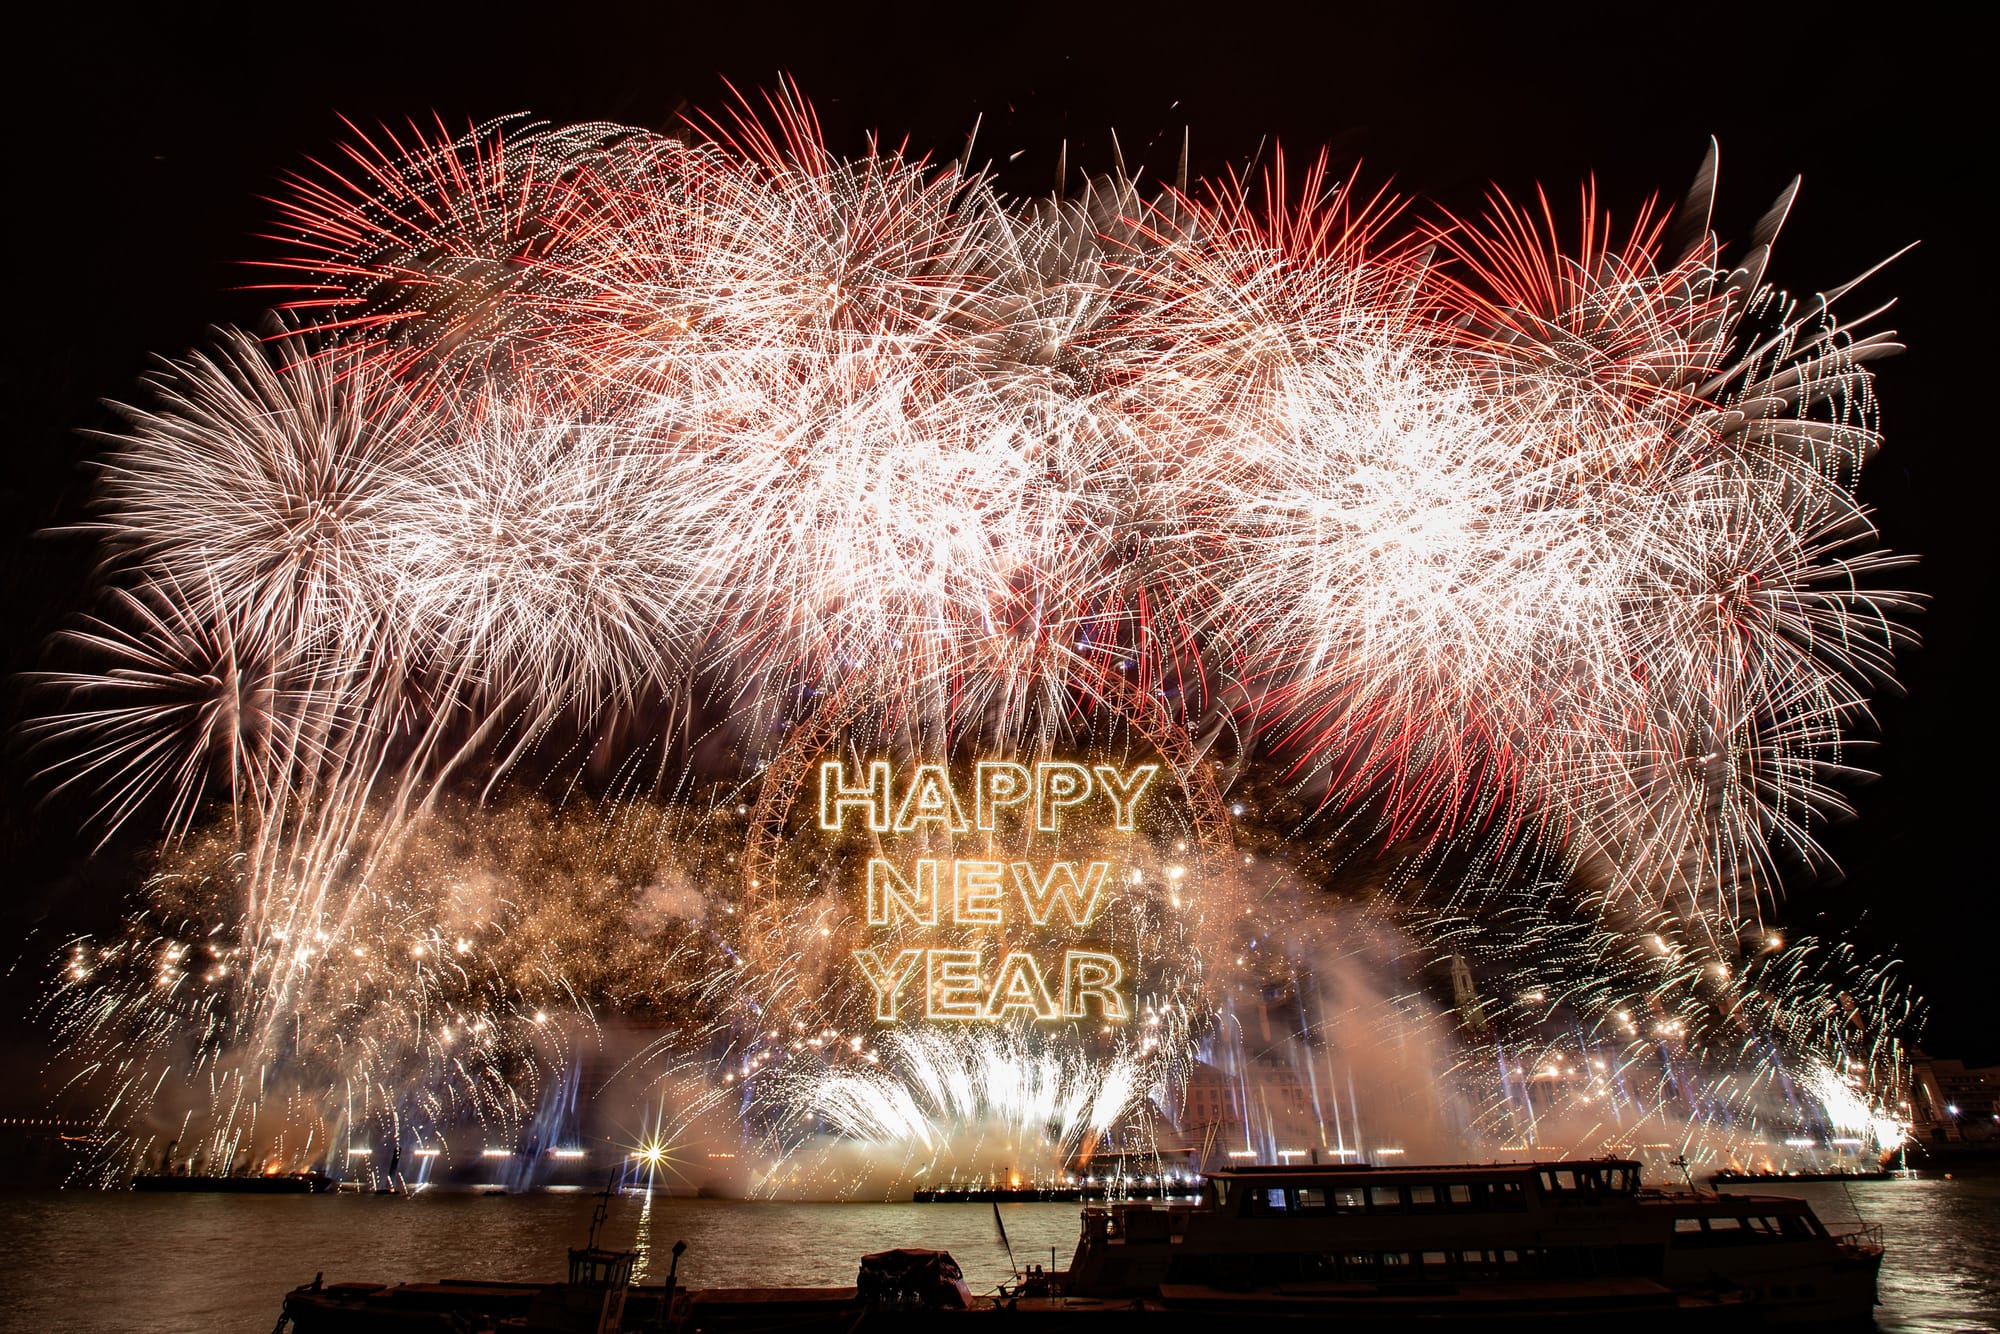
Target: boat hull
x=472 y=1308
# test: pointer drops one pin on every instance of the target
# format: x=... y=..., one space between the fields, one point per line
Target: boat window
x=1761 y=1226
x=1423 y=1197
x=1312 y=1199
x=1724 y=1224
x=1564 y=1181
x=1687 y=1225
x=1492 y=1195
x=1347 y=1199
x=1394 y=1258
x=1795 y=1226
x=1510 y=1257
x=1274 y=1199
x=1486 y=1196
x=1358 y=1261
x=1385 y=1197
x=1474 y=1258
x=1438 y=1258
x=1614 y=1179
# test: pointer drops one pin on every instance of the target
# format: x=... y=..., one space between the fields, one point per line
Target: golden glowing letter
x=1087 y=974
x=887 y=979
x=1040 y=896
x=835 y=796
x=1020 y=987
x=930 y=798
x=889 y=894
x=998 y=783
x=951 y=984
x=1058 y=783
x=975 y=893
x=1124 y=798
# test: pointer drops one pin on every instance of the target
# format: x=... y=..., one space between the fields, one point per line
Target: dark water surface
x=98 y=1261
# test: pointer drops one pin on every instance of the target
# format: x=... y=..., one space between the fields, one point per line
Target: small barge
x=1110 y=1191
x=1730 y=1176
x=280 y=1183
x=1535 y=1247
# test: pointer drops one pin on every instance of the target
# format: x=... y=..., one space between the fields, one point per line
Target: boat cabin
x=1266 y=1192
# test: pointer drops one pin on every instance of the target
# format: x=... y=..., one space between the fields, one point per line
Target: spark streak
x=1517 y=551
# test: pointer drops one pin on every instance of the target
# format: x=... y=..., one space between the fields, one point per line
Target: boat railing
x=1865 y=1238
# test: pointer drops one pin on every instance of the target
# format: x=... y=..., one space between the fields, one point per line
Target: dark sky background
x=139 y=147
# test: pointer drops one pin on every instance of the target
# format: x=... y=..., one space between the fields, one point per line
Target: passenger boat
x=1528 y=1246
x=1348 y=1237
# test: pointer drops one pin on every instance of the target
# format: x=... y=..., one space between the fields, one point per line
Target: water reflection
x=90 y=1261
x=642 y=1241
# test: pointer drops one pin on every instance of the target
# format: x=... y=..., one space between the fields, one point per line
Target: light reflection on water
x=92 y=1261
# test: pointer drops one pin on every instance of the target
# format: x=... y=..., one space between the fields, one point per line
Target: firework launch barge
x=1530 y=1247
x=282 y=1183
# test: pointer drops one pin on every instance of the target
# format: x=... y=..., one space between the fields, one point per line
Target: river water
x=91 y=1261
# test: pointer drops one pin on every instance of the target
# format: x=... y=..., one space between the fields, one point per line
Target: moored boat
x=1529 y=1246
x=1498 y=1228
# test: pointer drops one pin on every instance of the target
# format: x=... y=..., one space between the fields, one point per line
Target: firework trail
x=1529 y=553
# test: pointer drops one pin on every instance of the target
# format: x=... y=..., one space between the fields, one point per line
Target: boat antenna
x=1686 y=1175
x=1852 y=1207
x=602 y=1211
x=1003 y=1239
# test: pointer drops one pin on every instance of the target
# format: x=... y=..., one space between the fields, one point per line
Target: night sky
x=140 y=149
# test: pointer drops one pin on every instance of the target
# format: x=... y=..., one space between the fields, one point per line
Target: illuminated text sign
x=971 y=979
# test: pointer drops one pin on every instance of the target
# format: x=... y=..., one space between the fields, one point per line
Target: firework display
x=1360 y=662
